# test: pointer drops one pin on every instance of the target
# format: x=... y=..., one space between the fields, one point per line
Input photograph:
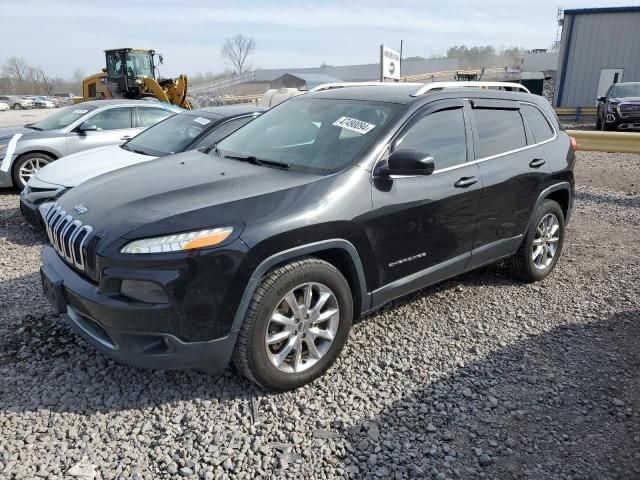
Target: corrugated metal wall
x=595 y=41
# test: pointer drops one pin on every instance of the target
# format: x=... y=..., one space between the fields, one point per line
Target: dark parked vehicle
x=321 y=210
x=620 y=107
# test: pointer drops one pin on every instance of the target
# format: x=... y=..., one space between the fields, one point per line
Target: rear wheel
x=296 y=325
x=542 y=244
x=17 y=106
x=27 y=165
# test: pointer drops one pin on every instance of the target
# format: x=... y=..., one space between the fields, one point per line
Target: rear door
x=113 y=125
x=514 y=171
x=428 y=222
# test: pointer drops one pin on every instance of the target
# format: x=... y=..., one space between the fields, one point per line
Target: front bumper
x=122 y=328
x=615 y=120
x=31 y=213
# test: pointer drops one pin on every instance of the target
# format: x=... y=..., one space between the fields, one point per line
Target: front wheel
x=296 y=325
x=17 y=106
x=27 y=165
x=542 y=244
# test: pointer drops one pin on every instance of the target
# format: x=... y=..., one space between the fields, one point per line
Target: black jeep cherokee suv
x=620 y=107
x=265 y=248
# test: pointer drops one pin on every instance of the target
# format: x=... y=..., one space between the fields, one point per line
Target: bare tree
x=236 y=49
x=17 y=69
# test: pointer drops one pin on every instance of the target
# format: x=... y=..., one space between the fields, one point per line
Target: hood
x=8 y=132
x=74 y=169
x=626 y=99
x=177 y=193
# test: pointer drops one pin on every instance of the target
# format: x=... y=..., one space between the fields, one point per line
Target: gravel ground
x=477 y=377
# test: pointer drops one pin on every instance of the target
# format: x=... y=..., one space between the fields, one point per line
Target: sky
x=64 y=35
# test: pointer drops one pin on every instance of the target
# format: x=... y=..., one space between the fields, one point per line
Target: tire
x=17 y=106
x=29 y=162
x=598 y=124
x=524 y=264
x=257 y=360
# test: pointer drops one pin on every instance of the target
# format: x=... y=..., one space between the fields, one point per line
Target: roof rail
x=427 y=87
x=329 y=86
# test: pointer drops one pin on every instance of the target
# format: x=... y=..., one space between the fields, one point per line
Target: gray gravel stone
x=541 y=379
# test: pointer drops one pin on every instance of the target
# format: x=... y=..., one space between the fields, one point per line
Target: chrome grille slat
x=67 y=235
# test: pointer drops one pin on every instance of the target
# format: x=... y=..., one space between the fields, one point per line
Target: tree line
x=484 y=56
x=19 y=77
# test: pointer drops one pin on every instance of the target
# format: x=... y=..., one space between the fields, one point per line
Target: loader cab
x=125 y=68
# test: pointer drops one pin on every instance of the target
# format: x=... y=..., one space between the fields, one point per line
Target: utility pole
x=400 y=66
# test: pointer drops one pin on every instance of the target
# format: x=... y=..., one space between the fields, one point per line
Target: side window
x=537 y=122
x=440 y=134
x=222 y=131
x=499 y=131
x=112 y=119
x=148 y=116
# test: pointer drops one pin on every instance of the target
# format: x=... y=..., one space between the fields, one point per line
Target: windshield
x=133 y=64
x=63 y=118
x=628 y=90
x=315 y=135
x=169 y=136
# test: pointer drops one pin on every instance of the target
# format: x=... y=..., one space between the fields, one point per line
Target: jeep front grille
x=67 y=235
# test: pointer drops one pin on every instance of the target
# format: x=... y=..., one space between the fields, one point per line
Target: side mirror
x=87 y=127
x=602 y=99
x=407 y=162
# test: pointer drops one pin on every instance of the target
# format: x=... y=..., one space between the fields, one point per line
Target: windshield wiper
x=258 y=161
x=134 y=150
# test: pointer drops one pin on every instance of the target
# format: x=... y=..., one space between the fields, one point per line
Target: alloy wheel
x=30 y=167
x=302 y=327
x=545 y=242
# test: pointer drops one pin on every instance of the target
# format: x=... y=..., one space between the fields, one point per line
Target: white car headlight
x=179 y=242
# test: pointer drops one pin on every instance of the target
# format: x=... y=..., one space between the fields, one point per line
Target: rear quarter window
x=499 y=131
x=538 y=123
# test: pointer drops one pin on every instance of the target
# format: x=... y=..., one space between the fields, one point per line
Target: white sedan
x=4 y=106
x=187 y=130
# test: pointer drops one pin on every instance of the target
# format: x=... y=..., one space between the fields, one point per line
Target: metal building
x=599 y=46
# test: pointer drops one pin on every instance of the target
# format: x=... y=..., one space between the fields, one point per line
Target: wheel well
x=48 y=154
x=562 y=198
x=342 y=261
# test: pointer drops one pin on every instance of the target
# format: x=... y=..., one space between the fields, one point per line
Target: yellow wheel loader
x=131 y=73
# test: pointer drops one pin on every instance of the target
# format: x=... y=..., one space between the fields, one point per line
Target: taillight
x=574 y=143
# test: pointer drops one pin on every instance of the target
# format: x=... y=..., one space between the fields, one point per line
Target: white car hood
x=72 y=170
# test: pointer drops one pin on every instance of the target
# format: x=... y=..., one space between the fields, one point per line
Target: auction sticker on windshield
x=354 y=125
x=201 y=120
x=80 y=112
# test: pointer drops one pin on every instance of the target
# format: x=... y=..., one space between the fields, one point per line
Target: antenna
x=560 y=19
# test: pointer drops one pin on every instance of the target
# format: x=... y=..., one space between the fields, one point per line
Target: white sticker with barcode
x=202 y=120
x=354 y=125
x=80 y=112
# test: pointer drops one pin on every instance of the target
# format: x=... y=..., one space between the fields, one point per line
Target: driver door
x=113 y=124
x=423 y=226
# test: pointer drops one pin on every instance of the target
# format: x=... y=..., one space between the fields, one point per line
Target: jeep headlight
x=612 y=108
x=179 y=242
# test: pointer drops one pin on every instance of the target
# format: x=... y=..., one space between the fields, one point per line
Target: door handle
x=126 y=137
x=537 y=162
x=465 y=182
